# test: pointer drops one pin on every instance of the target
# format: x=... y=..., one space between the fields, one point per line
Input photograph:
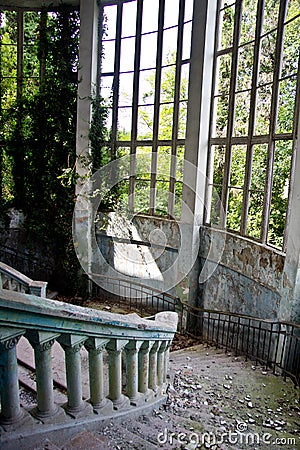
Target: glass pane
x=259 y=167
x=142 y=196
x=293 y=9
x=110 y=17
x=179 y=163
x=286 y=106
x=186 y=44
x=270 y=15
x=291 y=48
x=106 y=87
x=107 y=61
x=148 y=51
x=263 y=109
x=221 y=116
x=188 y=13
x=162 y=198
x=280 y=187
x=224 y=73
x=184 y=86
x=171 y=13
x=241 y=114
x=145 y=122
x=245 y=67
x=167 y=84
x=267 y=59
x=8 y=60
x=31 y=63
x=127 y=54
x=143 y=162
x=248 y=23
x=8 y=93
x=146 y=87
x=227 y=26
x=237 y=174
x=182 y=120
x=163 y=163
x=178 y=199
x=150 y=15
x=238 y=165
x=129 y=19
x=218 y=159
x=234 y=212
x=166 y=121
x=124 y=123
x=125 y=89
x=169 y=46
x=256 y=202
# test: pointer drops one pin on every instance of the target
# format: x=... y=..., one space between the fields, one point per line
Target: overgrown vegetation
x=38 y=133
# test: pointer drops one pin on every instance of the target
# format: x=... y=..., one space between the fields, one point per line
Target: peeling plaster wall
x=247 y=278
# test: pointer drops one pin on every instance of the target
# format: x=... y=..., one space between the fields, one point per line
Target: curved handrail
x=22 y=282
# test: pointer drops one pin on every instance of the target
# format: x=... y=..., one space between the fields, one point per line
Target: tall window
x=144 y=83
x=253 y=111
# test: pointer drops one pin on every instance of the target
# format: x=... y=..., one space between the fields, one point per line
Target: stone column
x=72 y=345
x=161 y=363
x=131 y=350
x=143 y=372
x=153 y=366
x=95 y=347
x=9 y=387
x=42 y=344
x=166 y=361
x=114 y=349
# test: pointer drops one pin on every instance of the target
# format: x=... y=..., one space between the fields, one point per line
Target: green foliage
x=40 y=132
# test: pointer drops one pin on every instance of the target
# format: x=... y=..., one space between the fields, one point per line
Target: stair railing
x=12 y=279
x=144 y=343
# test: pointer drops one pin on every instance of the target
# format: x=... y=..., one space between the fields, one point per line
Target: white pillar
x=197 y=134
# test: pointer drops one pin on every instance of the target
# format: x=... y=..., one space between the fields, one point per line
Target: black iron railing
x=274 y=344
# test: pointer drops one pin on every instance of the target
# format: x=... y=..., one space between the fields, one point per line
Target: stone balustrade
x=12 y=279
x=135 y=349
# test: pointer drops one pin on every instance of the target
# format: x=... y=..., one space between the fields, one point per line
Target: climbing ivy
x=39 y=139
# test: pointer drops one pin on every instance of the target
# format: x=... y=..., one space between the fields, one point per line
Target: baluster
x=11 y=412
x=114 y=350
x=166 y=361
x=161 y=363
x=143 y=372
x=95 y=347
x=42 y=343
x=153 y=366
x=72 y=344
x=131 y=350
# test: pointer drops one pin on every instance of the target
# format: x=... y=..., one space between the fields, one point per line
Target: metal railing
x=275 y=344
x=135 y=296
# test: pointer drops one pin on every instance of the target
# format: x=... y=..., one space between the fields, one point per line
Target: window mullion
x=115 y=96
x=156 y=105
x=210 y=159
x=236 y=38
x=273 y=117
x=135 y=100
x=176 y=110
x=248 y=172
x=293 y=162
